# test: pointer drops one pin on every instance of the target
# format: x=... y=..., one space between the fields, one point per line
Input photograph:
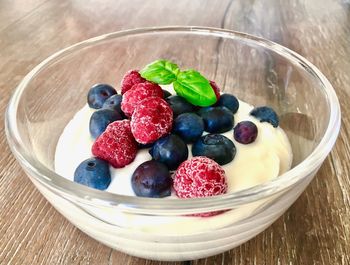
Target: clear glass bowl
x=256 y=70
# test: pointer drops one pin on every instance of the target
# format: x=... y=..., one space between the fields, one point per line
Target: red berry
x=152 y=119
x=216 y=89
x=137 y=93
x=131 y=78
x=116 y=144
x=199 y=176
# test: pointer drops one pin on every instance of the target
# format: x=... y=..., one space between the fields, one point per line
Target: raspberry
x=151 y=120
x=137 y=93
x=116 y=144
x=216 y=89
x=199 y=176
x=131 y=78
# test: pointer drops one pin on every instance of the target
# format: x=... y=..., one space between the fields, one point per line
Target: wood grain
x=315 y=230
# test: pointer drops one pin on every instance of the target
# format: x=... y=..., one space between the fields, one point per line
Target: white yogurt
x=265 y=159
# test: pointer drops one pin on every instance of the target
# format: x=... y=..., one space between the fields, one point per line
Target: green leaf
x=161 y=72
x=195 y=88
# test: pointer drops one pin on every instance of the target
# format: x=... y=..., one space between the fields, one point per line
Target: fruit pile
x=146 y=116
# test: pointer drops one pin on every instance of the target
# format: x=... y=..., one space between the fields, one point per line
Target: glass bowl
x=256 y=70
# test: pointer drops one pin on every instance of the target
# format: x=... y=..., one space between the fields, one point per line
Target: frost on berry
x=138 y=93
x=151 y=120
x=199 y=177
x=131 y=78
x=116 y=144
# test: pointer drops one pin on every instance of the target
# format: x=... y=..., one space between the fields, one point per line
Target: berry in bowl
x=185 y=158
x=154 y=153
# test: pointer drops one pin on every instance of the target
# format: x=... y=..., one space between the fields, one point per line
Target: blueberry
x=180 y=105
x=166 y=93
x=245 y=132
x=217 y=119
x=266 y=114
x=100 y=119
x=151 y=179
x=170 y=150
x=113 y=102
x=94 y=173
x=215 y=146
x=189 y=126
x=229 y=101
x=98 y=94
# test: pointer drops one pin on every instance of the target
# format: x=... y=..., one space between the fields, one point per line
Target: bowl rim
x=79 y=193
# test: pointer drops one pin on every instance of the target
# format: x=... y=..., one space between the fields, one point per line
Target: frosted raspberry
x=152 y=119
x=216 y=89
x=131 y=78
x=199 y=176
x=137 y=93
x=116 y=144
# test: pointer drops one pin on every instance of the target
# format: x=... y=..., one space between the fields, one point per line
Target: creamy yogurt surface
x=266 y=158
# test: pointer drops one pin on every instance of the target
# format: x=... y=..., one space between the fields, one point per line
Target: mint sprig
x=188 y=84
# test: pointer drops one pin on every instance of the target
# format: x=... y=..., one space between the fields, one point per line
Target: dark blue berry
x=100 y=119
x=170 y=150
x=265 y=114
x=98 y=94
x=114 y=103
x=151 y=179
x=217 y=119
x=94 y=173
x=229 y=101
x=189 y=126
x=245 y=132
x=180 y=105
x=166 y=93
x=215 y=146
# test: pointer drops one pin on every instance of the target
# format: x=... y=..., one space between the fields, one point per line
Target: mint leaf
x=195 y=88
x=161 y=72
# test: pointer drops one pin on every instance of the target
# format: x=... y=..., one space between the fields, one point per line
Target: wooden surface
x=315 y=230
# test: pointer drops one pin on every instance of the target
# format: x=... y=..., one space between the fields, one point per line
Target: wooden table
x=315 y=230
